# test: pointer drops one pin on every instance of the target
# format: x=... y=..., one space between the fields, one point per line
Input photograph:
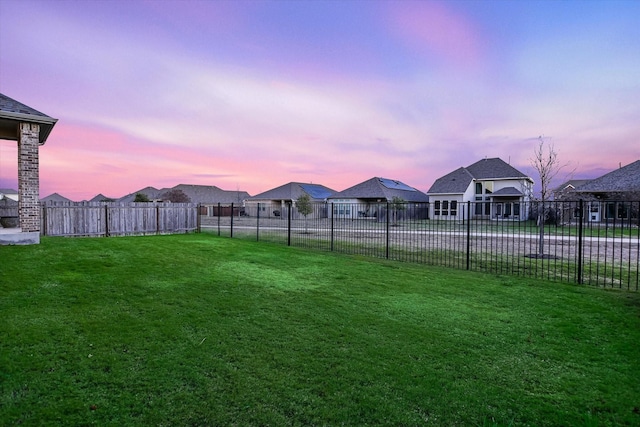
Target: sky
x=250 y=95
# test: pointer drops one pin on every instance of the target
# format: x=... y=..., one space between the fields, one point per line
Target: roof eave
x=47 y=123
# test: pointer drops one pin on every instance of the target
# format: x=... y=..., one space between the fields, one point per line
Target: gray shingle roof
x=624 y=179
x=379 y=188
x=508 y=191
x=458 y=181
x=13 y=112
x=572 y=183
x=455 y=182
x=494 y=168
x=10 y=105
x=196 y=193
x=293 y=190
x=55 y=197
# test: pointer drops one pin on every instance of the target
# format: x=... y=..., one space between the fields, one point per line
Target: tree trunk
x=541 y=240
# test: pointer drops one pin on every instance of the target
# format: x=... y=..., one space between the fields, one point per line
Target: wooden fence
x=117 y=219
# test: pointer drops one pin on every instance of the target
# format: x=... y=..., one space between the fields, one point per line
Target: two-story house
x=495 y=189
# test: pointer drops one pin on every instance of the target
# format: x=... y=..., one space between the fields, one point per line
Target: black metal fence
x=596 y=243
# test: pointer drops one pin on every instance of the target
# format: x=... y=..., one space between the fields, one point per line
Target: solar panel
x=316 y=191
x=395 y=185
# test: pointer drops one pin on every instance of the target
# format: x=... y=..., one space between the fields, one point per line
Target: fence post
x=387 y=242
x=218 y=214
x=44 y=219
x=231 y=231
x=289 y=224
x=106 y=220
x=580 y=239
x=198 y=212
x=258 y=224
x=468 y=235
x=332 y=229
x=158 y=218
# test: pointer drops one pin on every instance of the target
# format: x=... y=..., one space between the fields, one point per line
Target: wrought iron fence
x=596 y=243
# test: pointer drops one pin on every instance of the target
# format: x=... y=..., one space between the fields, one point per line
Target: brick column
x=29 y=177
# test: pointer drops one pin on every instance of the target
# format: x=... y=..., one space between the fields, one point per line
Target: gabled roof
x=382 y=189
x=196 y=193
x=150 y=192
x=55 y=197
x=455 y=182
x=624 y=179
x=293 y=190
x=8 y=194
x=571 y=184
x=13 y=112
x=209 y=194
x=494 y=168
x=100 y=198
x=507 y=191
x=458 y=181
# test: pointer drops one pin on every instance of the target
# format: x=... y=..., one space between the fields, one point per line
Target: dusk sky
x=251 y=95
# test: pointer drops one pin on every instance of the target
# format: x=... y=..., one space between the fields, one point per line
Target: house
x=8 y=208
x=55 y=197
x=275 y=202
x=496 y=189
x=203 y=194
x=567 y=190
x=613 y=196
x=369 y=199
x=8 y=194
x=101 y=198
x=30 y=128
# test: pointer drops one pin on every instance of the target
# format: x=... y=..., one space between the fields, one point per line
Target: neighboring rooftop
x=624 y=179
x=382 y=189
x=196 y=193
x=55 y=197
x=293 y=190
x=458 y=181
x=572 y=184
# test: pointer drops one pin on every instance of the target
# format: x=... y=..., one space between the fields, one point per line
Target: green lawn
x=202 y=330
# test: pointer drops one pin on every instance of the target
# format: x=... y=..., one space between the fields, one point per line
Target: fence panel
x=117 y=219
x=559 y=241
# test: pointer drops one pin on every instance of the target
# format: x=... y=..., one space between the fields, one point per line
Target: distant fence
x=577 y=242
x=117 y=219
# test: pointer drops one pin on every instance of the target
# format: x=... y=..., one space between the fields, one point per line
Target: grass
x=201 y=330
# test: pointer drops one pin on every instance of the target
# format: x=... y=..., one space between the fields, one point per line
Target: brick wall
x=29 y=177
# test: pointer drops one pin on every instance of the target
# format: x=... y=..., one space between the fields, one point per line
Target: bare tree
x=546 y=163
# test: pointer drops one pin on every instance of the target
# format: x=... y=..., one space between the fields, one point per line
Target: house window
x=478 y=188
x=487 y=209
x=611 y=210
x=437 y=207
x=507 y=209
x=454 y=208
x=516 y=209
x=445 y=207
x=478 y=208
x=616 y=210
